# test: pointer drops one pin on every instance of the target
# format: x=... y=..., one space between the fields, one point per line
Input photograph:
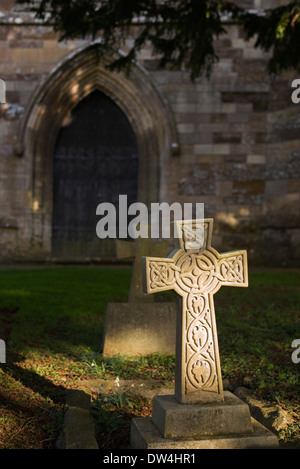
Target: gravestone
x=141 y=326
x=200 y=414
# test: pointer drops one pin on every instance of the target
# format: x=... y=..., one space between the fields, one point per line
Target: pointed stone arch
x=70 y=82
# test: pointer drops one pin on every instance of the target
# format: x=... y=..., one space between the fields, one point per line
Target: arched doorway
x=70 y=82
x=95 y=160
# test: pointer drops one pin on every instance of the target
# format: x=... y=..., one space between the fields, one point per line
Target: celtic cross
x=196 y=271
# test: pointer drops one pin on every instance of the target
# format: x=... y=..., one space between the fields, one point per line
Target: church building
x=74 y=134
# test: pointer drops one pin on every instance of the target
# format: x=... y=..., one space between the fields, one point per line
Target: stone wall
x=238 y=143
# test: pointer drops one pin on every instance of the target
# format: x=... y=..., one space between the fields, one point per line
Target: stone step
x=145 y=435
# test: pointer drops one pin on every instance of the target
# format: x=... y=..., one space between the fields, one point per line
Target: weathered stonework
x=196 y=271
x=232 y=142
x=199 y=415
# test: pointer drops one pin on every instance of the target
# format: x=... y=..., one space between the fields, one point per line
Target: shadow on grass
x=33 y=380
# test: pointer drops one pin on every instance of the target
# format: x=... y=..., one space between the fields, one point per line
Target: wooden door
x=95 y=161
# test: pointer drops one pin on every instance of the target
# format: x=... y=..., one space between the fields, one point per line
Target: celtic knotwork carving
x=231 y=269
x=201 y=370
x=197 y=272
x=196 y=275
x=201 y=367
x=200 y=335
x=196 y=305
x=161 y=275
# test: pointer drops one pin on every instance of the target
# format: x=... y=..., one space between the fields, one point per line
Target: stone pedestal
x=215 y=425
x=140 y=328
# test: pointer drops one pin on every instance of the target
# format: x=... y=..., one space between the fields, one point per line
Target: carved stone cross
x=196 y=272
x=136 y=249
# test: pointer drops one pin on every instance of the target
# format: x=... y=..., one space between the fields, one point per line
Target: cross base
x=218 y=425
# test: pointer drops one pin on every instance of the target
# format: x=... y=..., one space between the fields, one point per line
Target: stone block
x=270 y=415
x=210 y=159
x=226 y=108
x=181 y=108
x=249 y=187
x=52 y=54
x=145 y=435
x=204 y=149
x=50 y=43
x=195 y=138
x=4 y=54
x=186 y=128
x=238 y=43
x=25 y=55
x=294 y=186
x=140 y=329
x=175 y=420
x=253 y=53
x=224 y=188
x=226 y=137
x=273 y=188
x=78 y=429
x=238 y=117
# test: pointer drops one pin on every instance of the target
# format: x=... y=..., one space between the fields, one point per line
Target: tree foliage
x=181 y=32
x=278 y=32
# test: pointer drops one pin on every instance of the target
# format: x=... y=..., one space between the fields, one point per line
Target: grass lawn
x=52 y=321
